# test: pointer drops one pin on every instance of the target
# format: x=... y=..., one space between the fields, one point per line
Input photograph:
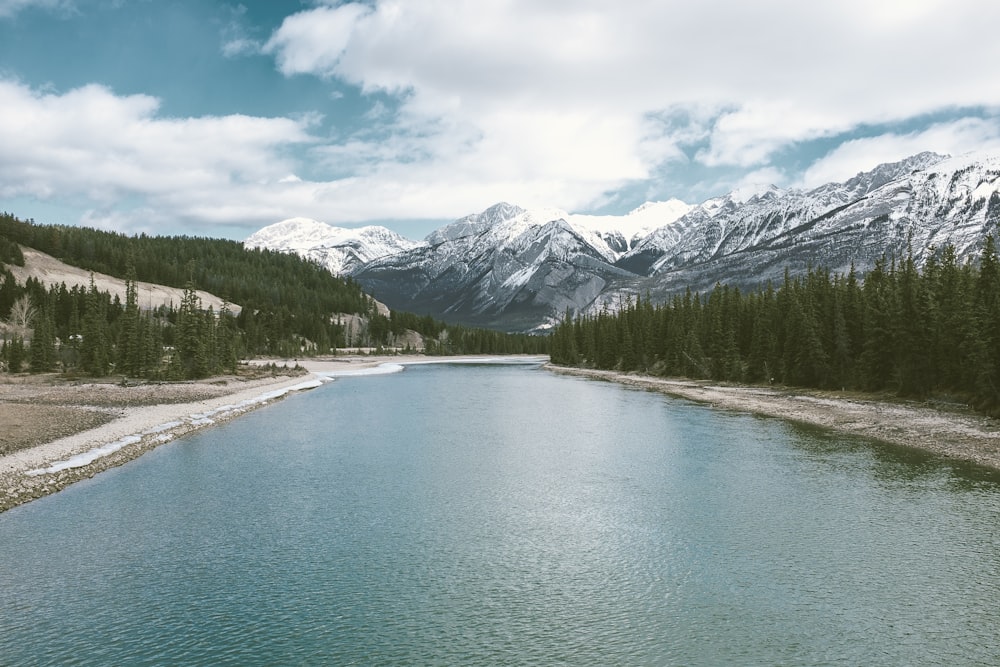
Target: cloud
x=234 y=34
x=129 y=168
x=947 y=138
x=559 y=103
x=761 y=178
x=239 y=46
x=766 y=75
x=91 y=145
x=312 y=41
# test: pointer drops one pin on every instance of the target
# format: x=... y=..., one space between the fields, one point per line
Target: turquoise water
x=504 y=515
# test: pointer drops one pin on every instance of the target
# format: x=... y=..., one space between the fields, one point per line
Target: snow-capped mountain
x=747 y=218
x=918 y=205
x=507 y=267
x=520 y=269
x=339 y=250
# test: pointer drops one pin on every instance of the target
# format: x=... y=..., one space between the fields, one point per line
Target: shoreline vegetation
x=917 y=333
x=45 y=423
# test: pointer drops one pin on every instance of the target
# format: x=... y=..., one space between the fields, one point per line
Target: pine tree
x=878 y=343
x=912 y=375
x=987 y=326
x=14 y=354
x=43 y=342
x=129 y=348
x=9 y=293
x=94 y=349
x=190 y=350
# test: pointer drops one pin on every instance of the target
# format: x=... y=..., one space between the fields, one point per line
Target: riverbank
x=951 y=432
x=56 y=432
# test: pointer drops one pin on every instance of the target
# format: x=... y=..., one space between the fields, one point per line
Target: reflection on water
x=893 y=462
x=499 y=515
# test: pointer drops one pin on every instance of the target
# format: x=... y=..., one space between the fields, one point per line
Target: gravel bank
x=953 y=433
x=56 y=433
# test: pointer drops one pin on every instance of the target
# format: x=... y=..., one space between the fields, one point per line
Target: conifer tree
x=987 y=324
x=14 y=354
x=43 y=341
x=878 y=346
x=129 y=348
x=94 y=349
x=190 y=352
x=9 y=293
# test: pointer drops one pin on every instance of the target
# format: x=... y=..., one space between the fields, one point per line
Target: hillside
x=52 y=272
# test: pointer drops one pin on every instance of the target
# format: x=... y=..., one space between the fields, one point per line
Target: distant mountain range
x=520 y=270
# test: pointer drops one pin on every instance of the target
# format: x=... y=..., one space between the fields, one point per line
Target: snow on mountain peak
x=655 y=214
x=337 y=248
x=474 y=224
x=746 y=193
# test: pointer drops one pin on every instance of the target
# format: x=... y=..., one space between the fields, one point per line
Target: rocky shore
x=946 y=430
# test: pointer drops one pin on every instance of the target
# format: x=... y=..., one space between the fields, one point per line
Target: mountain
x=920 y=204
x=519 y=269
x=748 y=218
x=340 y=250
x=512 y=268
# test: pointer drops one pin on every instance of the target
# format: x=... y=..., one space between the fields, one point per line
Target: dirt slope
x=50 y=271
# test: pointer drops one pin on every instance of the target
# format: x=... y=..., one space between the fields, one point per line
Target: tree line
x=86 y=331
x=916 y=333
x=290 y=307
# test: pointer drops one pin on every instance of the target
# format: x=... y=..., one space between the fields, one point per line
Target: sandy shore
x=949 y=431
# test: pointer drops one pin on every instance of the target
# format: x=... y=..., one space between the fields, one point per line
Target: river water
x=500 y=514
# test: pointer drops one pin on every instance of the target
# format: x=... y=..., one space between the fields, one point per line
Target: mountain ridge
x=520 y=269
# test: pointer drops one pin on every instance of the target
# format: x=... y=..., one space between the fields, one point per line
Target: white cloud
x=129 y=168
x=90 y=145
x=951 y=138
x=312 y=41
x=761 y=178
x=558 y=103
x=239 y=46
x=233 y=33
x=773 y=73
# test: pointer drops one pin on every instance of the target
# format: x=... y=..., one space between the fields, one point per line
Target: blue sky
x=213 y=118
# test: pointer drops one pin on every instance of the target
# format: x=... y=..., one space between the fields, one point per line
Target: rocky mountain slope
x=519 y=269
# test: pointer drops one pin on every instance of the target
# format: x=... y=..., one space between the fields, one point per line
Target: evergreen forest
x=290 y=307
x=930 y=333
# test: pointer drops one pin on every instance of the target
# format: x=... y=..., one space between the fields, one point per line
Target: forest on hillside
x=289 y=307
x=924 y=333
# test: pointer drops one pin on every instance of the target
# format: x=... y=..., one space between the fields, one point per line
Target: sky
x=216 y=118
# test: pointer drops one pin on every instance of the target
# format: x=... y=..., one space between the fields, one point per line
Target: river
x=501 y=514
